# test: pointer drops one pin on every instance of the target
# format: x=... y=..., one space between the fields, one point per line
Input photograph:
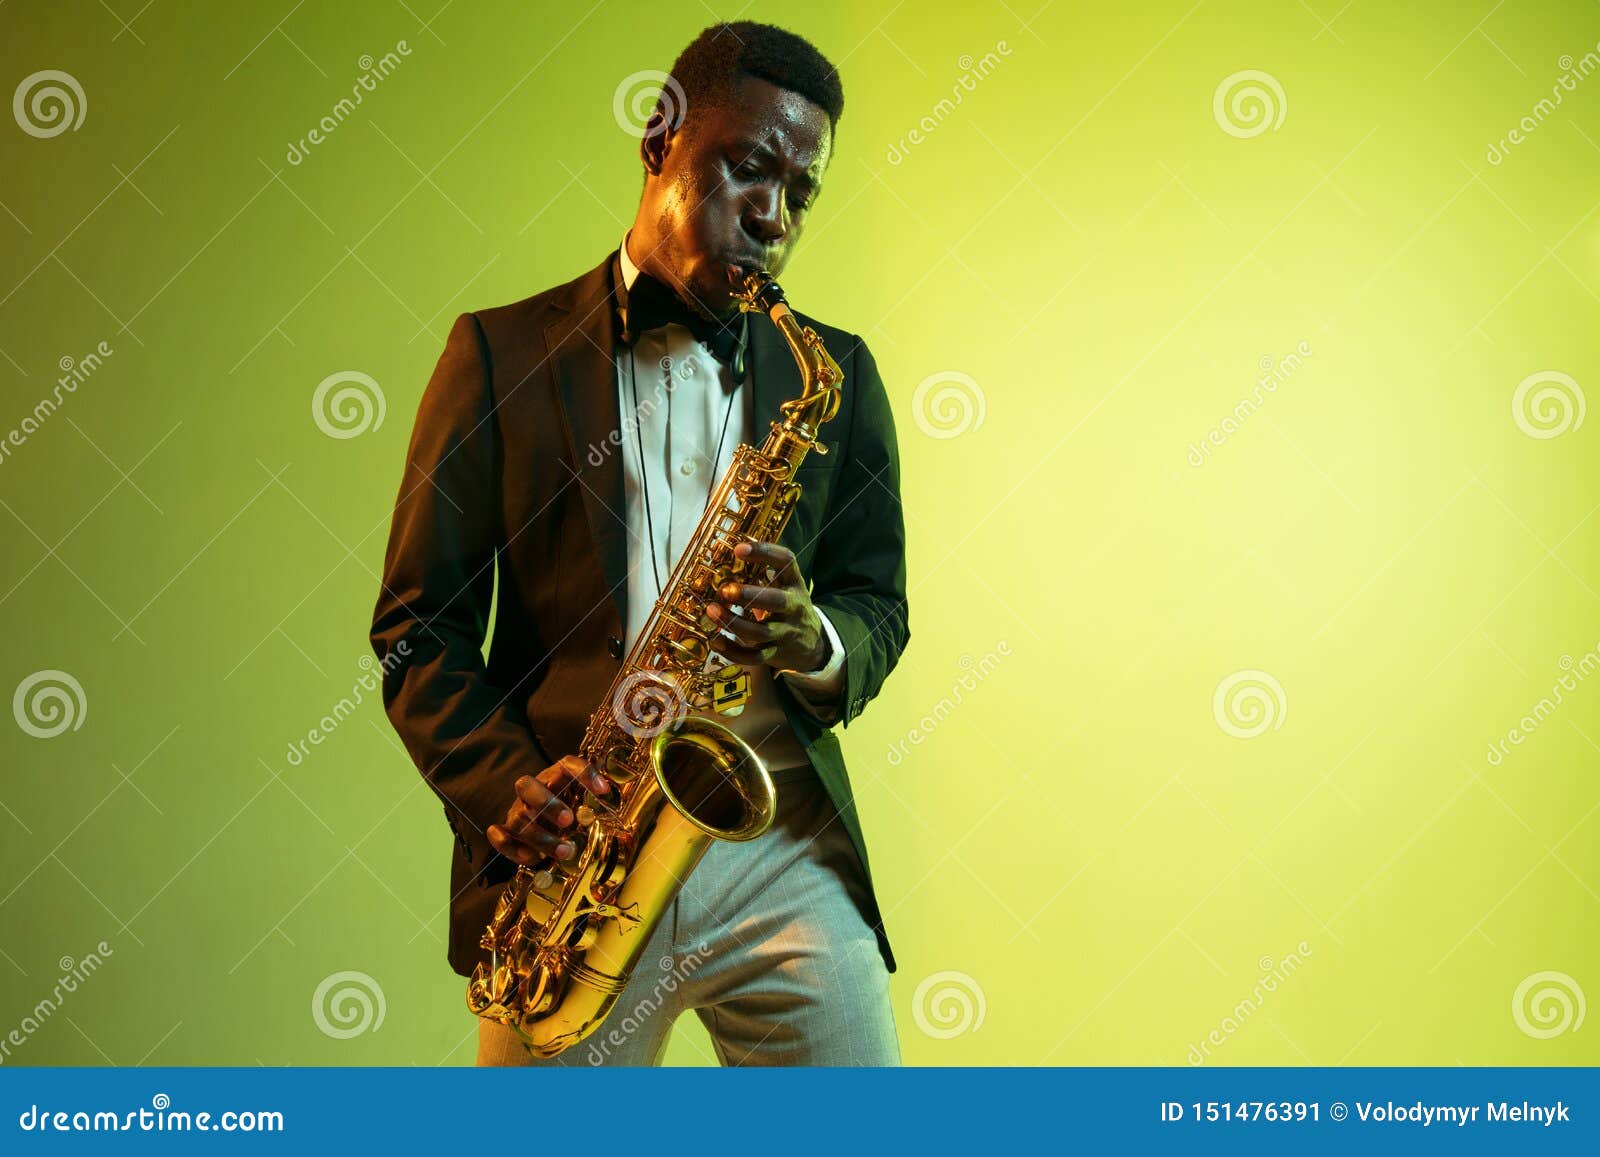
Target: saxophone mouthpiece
x=759 y=290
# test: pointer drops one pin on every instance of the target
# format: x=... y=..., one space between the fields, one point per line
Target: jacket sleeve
x=466 y=735
x=859 y=569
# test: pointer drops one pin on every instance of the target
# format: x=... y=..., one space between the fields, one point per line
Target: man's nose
x=764 y=218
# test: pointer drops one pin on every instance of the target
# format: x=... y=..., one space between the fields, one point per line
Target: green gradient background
x=1080 y=839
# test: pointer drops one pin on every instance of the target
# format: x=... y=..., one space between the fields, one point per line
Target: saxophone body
x=566 y=935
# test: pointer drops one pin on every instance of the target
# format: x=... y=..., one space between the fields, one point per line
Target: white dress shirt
x=682 y=417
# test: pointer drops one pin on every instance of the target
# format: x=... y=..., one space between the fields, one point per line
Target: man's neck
x=632 y=250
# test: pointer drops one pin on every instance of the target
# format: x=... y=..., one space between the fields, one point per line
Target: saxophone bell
x=715 y=779
x=704 y=784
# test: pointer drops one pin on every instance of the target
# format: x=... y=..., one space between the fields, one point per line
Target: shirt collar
x=629 y=269
x=628 y=272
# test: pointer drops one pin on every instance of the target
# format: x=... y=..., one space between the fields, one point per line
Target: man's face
x=733 y=189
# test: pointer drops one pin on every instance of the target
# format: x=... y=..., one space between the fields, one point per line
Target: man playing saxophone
x=566 y=446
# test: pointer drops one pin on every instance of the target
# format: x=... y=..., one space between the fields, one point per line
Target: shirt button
x=687 y=468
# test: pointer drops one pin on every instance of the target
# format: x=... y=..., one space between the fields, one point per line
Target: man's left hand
x=779 y=627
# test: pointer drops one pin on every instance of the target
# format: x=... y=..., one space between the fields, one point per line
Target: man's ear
x=657 y=140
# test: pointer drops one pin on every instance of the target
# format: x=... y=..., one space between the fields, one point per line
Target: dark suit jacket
x=512 y=465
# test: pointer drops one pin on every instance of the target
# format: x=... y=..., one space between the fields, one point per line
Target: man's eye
x=747 y=172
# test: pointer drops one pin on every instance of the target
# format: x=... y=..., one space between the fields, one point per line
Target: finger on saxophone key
x=521 y=850
x=538 y=813
x=575 y=768
x=521 y=838
x=595 y=779
x=541 y=793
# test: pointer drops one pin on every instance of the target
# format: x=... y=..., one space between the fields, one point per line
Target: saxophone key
x=616 y=764
x=691 y=651
x=539 y=907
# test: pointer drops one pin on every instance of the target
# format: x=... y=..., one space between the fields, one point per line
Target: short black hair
x=708 y=71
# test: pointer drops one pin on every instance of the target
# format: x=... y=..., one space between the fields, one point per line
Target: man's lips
x=738 y=268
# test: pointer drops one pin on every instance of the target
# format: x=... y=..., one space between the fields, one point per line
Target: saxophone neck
x=820 y=375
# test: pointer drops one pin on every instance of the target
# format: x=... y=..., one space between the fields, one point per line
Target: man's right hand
x=535 y=823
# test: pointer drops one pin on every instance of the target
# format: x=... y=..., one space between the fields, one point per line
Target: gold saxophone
x=566 y=935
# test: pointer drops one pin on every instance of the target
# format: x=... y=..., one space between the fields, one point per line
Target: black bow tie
x=650 y=305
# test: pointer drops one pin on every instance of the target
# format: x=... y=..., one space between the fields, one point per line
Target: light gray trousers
x=766 y=945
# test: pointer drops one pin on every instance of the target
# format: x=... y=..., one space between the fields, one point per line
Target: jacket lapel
x=776 y=378
x=581 y=338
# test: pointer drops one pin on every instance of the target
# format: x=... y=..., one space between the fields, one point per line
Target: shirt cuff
x=816 y=689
